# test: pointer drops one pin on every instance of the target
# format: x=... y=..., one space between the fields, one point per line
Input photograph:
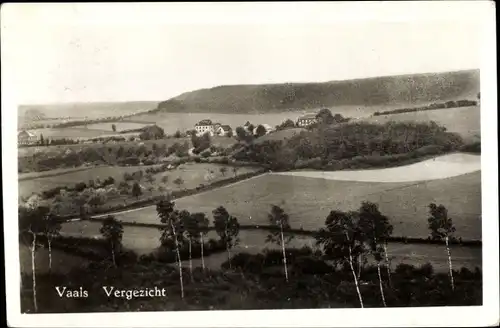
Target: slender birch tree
x=202 y=224
x=31 y=225
x=52 y=228
x=377 y=230
x=191 y=232
x=342 y=241
x=228 y=228
x=112 y=231
x=279 y=219
x=441 y=228
x=172 y=232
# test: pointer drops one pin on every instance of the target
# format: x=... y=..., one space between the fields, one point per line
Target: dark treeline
x=448 y=104
x=353 y=145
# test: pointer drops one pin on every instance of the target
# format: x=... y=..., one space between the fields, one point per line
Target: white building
x=223 y=130
x=204 y=126
x=306 y=120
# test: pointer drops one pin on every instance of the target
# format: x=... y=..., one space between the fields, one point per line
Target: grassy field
x=194 y=174
x=309 y=200
x=56 y=172
x=120 y=126
x=70 y=132
x=145 y=240
x=465 y=120
x=280 y=135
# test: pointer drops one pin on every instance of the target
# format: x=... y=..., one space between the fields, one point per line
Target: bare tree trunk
x=359 y=266
x=202 y=258
x=113 y=252
x=190 y=260
x=228 y=255
x=49 y=242
x=33 y=250
x=449 y=263
x=284 y=253
x=355 y=278
x=388 y=265
x=178 y=259
x=380 y=283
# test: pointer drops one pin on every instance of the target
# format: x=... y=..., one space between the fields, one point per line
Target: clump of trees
x=200 y=143
x=287 y=124
x=352 y=145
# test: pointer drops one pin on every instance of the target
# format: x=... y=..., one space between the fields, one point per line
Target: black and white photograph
x=197 y=160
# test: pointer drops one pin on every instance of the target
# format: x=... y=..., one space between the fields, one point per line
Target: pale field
x=309 y=200
x=437 y=168
x=465 y=121
x=146 y=240
x=120 y=126
x=80 y=132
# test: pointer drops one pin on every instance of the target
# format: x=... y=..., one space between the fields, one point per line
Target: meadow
x=144 y=240
x=78 y=132
x=309 y=200
x=120 y=126
x=464 y=120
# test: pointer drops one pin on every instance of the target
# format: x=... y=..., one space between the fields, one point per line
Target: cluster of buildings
x=217 y=129
x=207 y=126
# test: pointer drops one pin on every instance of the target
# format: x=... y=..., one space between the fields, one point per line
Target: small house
x=26 y=138
x=223 y=130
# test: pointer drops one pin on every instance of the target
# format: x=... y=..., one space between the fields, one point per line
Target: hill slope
x=379 y=91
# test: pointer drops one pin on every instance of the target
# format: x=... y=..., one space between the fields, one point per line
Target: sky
x=111 y=53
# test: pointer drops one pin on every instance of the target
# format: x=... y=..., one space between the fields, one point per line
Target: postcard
x=271 y=164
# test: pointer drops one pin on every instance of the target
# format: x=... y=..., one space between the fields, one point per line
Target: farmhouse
x=306 y=120
x=204 y=126
x=26 y=138
x=223 y=130
x=207 y=126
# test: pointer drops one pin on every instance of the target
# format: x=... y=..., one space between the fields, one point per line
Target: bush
x=311 y=265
